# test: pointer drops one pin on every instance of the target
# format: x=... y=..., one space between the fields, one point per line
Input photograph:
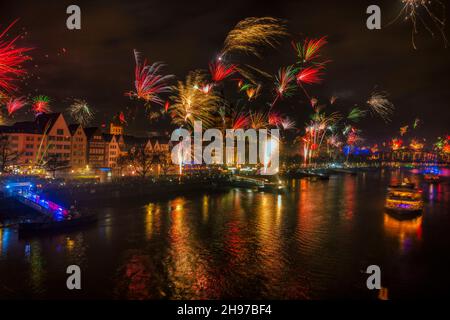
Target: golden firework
x=252 y=33
x=191 y=104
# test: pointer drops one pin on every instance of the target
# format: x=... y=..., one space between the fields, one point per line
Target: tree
x=122 y=162
x=142 y=160
x=164 y=160
x=53 y=164
x=8 y=157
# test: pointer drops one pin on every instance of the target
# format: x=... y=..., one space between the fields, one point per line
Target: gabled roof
x=73 y=128
x=160 y=139
x=43 y=123
x=108 y=137
x=46 y=121
x=91 y=131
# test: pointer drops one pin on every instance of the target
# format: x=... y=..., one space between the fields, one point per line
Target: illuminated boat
x=404 y=200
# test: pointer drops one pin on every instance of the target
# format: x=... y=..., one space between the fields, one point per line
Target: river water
x=313 y=242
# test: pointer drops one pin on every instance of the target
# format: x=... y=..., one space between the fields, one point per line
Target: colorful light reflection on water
x=314 y=241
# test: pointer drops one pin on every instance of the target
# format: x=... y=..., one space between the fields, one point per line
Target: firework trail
x=380 y=104
x=220 y=71
x=413 y=10
x=252 y=33
x=11 y=59
x=149 y=83
x=416 y=123
x=81 y=112
x=15 y=104
x=252 y=73
x=191 y=104
x=41 y=104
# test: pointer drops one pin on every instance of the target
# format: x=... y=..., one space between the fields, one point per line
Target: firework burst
x=404 y=130
x=240 y=121
x=191 y=104
x=356 y=114
x=41 y=104
x=309 y=75
x=380 y=104
x=81 y=112
x=15 y=104
x=421 y=12
x=287 y=124
x=309 y=49
x=220 y=71
x=275 y=119
x=149 y=83
x=11 y=60
x=258 y=120
x=252 y=91
x=252 y=33
x=285 y=83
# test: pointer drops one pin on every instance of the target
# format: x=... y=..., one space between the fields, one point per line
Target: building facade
x=50 y=137
x=78 y=159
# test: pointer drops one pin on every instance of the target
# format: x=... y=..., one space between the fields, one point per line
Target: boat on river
x=404 y=200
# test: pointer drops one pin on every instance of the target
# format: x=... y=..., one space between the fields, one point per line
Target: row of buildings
x=49 y=136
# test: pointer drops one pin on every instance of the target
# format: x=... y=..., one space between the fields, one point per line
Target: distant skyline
x=96 y=63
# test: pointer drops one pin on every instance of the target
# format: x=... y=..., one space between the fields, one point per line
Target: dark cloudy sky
x=98 y=64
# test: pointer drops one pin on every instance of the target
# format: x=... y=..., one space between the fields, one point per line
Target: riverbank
x=131 y=190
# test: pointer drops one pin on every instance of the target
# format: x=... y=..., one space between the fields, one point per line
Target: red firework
x=41 y=104
x=122 y=118
x=240 y=122
x=14 y=104
x=220 y=71
x=149 y=83
x=11 y=59
x=309 y=75
x=275 y=119
x=308 y=51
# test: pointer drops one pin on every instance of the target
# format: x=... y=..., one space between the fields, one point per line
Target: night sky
x=98 y=63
